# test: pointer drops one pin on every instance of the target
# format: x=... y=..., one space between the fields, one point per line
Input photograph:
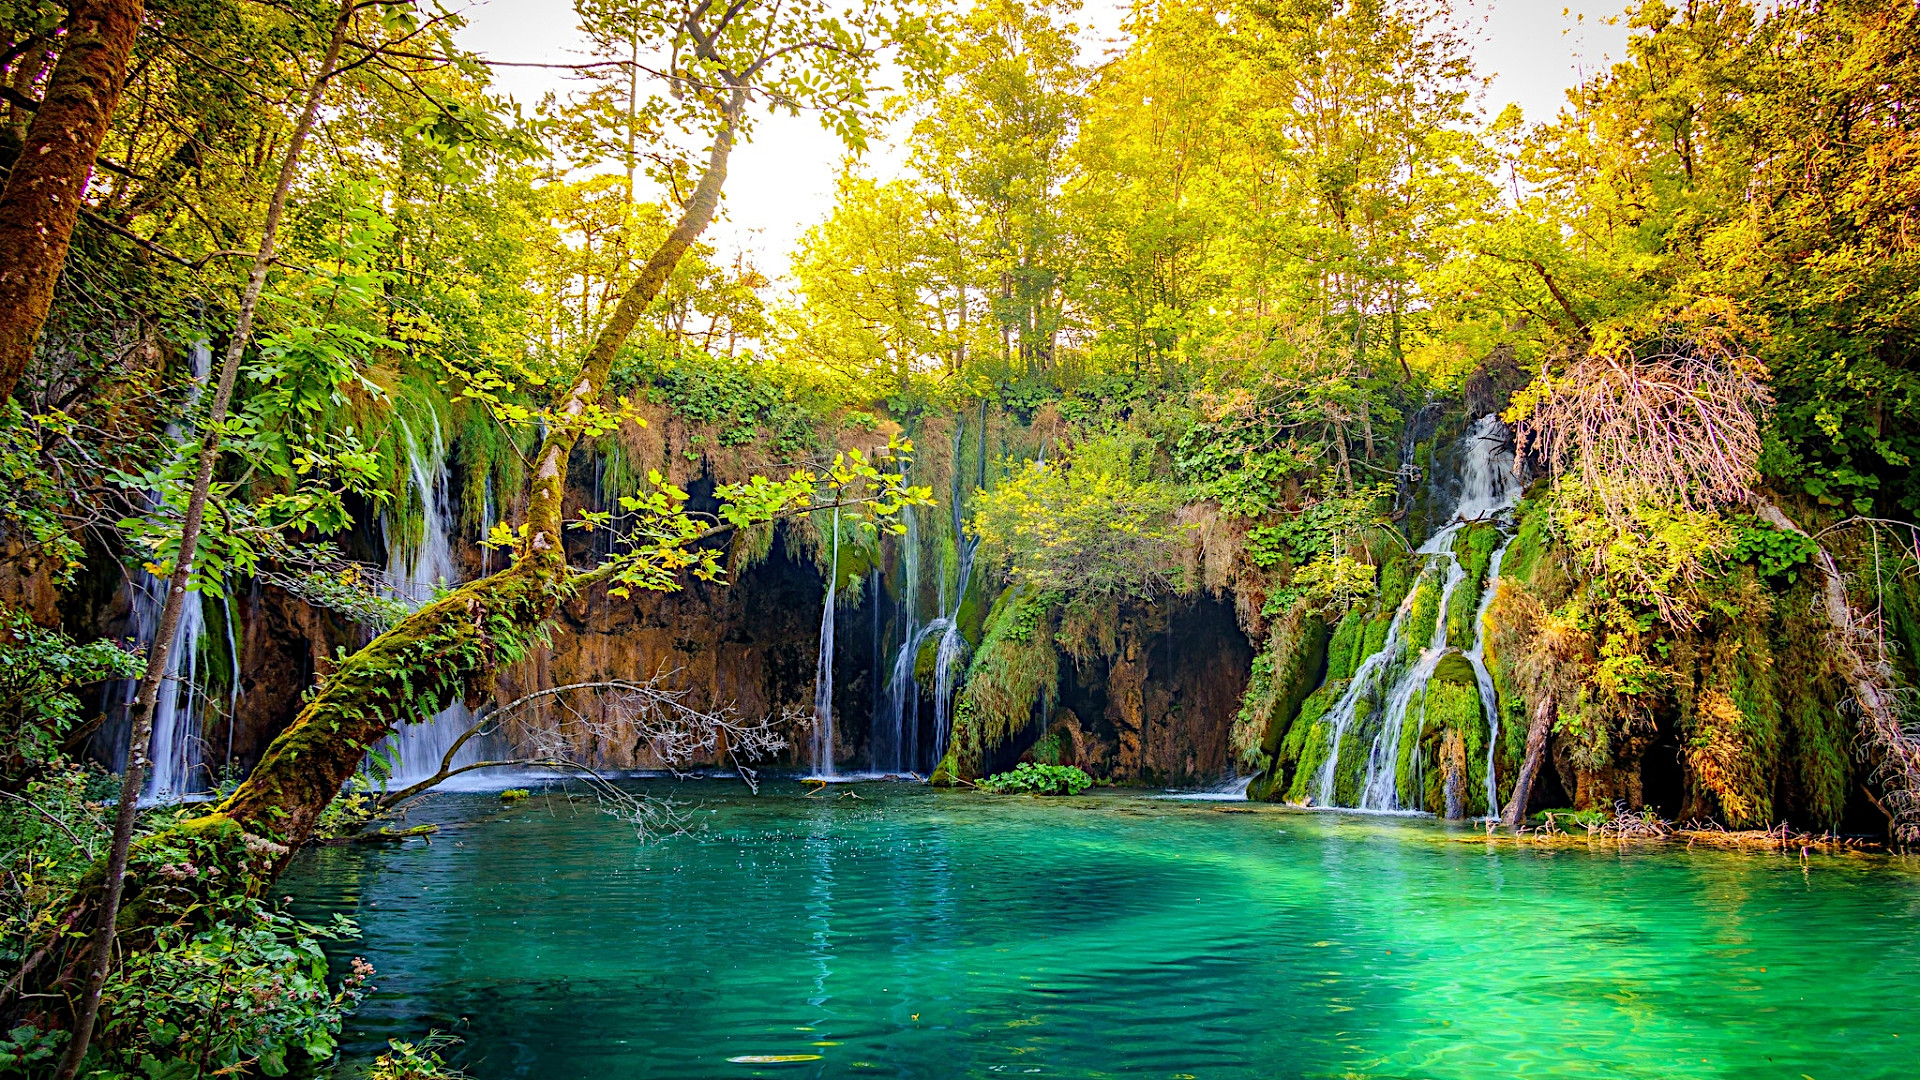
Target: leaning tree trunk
x=446 y=651
x=42 y=199
x=452 y=648
x=178 y=582
x=1516 y=811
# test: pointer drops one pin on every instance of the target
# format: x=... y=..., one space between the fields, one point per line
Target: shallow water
x=925 y=934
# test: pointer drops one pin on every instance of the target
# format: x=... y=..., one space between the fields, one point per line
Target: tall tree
x=48 y=183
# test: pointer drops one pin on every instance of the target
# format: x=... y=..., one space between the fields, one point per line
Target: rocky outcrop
x=1160 y=709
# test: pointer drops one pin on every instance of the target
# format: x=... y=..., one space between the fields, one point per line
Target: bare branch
x=651 y=719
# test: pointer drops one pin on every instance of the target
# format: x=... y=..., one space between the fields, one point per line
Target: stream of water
x=1388 y=682
x=916 y=933
x=417 y=749
x=176 y=752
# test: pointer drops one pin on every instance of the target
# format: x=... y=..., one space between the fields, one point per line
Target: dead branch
x=1883 y=707
x=1678 y=425
x=652 y=717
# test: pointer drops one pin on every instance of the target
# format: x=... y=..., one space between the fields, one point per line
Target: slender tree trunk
x=1871 y=678
x=48 y=182
x=101 y=960
x=1516 y=811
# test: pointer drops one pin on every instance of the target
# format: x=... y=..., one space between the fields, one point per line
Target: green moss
x=1016 y=667
x=1473 y=547
x=1350 y=771
x=1528 y=553
x=1344 y=649
x=1816 y=734
x=948 y=772
x=1447 y=707
x=1304 y=750
x=1415 y=759
x=1424 y=615
x=1396 y=577
x=1283 y=675
x=1455 y=668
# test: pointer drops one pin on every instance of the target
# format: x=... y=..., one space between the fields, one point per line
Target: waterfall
x=1381 y=789
x=896 y=741
x=416 y=749
x=895 y=733
x=233 y=691
x=1400 y=670
x=174 y=752
x=823 y=669
x=1477 y=656
x=179 y=709
x=1365 y=679
x=952 y=650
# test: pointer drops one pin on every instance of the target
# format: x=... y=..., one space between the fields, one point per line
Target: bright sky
x=781 y=184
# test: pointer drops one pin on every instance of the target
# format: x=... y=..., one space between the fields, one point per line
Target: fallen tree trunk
x=448 y=650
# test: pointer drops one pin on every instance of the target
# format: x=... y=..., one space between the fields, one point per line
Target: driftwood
x=1627 y=826
x=384 y=835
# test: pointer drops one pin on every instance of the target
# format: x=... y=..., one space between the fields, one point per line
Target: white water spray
x=417 y=749
x=179 y=709
x=823 y=669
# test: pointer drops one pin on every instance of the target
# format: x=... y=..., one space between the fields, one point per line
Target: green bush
x=1027 y=778
x=238 y=996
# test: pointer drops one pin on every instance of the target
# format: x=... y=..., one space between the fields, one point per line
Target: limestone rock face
x=750 y=644
x=1159 y=711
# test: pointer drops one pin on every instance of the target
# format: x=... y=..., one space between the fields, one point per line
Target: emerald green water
x=915 y=933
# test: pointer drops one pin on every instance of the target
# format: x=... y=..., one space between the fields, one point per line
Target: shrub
x=1030 y=779
x=240 y=995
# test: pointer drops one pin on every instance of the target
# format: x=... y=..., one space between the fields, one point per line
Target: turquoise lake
x=915 y=933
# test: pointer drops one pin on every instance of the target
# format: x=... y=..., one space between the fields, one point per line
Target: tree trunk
x=1896 y=752
x=1516 y=811
x=100 y=963
x=48 y=182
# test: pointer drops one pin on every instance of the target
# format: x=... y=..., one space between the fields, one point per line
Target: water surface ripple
x=914 y=933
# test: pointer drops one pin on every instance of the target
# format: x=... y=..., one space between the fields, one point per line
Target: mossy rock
x=1456 y=668
x=1343 y=649
x=947 y=773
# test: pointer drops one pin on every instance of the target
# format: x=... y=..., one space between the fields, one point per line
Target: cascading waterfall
x=1392 y=677
x=823 y=669
x=179 y=710
x=1381 y=789
x=951 y=653
x=952 y=650
x=416 y=750
x=174 y=752
x=1483 y=678
x=897 y=729
x=895 y=733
